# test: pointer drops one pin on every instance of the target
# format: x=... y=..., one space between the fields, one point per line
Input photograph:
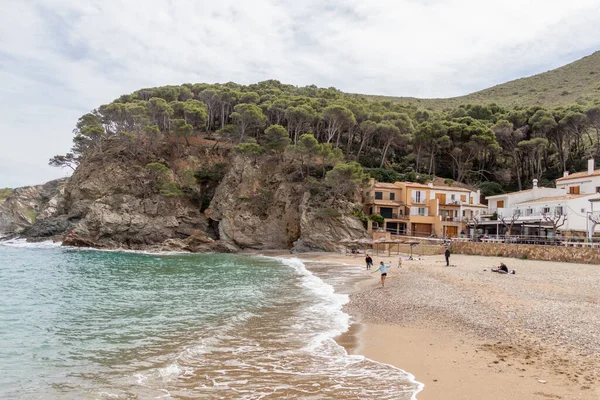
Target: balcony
x=415 y=212
x=396 y=216
x=452 y=219
x=418 y=200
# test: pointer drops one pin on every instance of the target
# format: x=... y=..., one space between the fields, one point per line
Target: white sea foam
x=336 y=319
x=23 y=243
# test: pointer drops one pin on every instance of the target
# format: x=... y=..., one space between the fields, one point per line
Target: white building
x=541 y=211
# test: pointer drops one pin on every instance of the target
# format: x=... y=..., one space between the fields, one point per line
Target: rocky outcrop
x=114 y=208
x=33 y=206
x=319 y=230
x=258 y=207
x=110 y=202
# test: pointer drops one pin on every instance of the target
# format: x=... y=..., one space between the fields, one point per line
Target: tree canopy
x=472 y=143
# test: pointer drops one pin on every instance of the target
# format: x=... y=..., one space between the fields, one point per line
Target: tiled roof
x=452 y=189
x=557 y=198
x=578 y=175
x=386 y=203
x=385 y=185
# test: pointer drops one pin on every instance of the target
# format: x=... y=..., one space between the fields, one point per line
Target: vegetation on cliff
x=4 y=194
x=490 y=146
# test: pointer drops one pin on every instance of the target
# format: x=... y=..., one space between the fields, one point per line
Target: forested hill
x=578 y=81
x=490 y=146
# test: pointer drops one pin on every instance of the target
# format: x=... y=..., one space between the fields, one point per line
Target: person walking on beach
x=383 y=268
x=369 y=261
x=447 y=255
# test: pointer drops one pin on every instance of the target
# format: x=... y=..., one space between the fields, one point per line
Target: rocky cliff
x=257 y=206
x=111 y=202
x=29 y=205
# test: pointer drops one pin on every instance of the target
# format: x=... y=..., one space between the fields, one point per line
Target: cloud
x=61 y=58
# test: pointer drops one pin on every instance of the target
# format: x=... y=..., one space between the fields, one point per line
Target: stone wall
x=584 y=255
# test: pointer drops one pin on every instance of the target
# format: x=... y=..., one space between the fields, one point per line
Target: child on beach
x=383 y=268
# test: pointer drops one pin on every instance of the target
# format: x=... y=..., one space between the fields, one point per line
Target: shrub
x=171 y=189
x=377 y=218
x=358 y=213
x=328 y=213
x=211 y=173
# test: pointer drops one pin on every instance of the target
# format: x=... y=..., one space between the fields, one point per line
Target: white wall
x=587 y=184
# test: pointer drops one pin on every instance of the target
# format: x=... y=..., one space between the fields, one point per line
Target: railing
x=421 y=200
x=539 y=240
x=397 y=216
x=415 y=212
x=453 y=219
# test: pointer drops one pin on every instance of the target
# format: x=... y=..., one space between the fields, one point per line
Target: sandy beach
x=468 y=333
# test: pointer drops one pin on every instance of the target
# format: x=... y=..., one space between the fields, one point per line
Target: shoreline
x=451 y=358
x=468 y=334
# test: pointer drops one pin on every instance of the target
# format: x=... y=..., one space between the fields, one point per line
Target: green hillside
x=576 y=82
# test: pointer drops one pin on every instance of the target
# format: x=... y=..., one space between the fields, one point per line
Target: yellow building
x=415 y=209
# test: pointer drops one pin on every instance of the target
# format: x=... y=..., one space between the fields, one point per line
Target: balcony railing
x=396 y=216
x=418 y=200
x=452 y=219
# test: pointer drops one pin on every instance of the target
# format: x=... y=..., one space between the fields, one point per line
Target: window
x=422 y=211
x=558 y=211
x=392 y=196
x=378 y=195
x=545 y=210
x=463 y=198
x=574 y=190
x=500 y=203
x=418 y=196
x=452 y=197
x=597 y=189
x=529 y=211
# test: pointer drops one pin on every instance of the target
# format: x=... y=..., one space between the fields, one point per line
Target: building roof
x=453 y=189
x=508 y=194
x=579 y=175
x=539 y=188
x=414 y=184
x=557 y=198
x=385 y=185
x=391 y=203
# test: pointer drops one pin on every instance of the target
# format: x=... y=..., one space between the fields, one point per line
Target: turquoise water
x=83 y=324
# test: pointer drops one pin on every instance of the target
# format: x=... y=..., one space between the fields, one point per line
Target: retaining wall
x=583 y=255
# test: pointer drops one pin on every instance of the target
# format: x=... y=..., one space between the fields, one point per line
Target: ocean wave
x=23 y=243
x=336 y=321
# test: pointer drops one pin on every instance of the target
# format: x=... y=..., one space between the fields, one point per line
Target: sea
x=89 y=324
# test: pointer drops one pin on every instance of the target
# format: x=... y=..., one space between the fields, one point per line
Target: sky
x=62 y=58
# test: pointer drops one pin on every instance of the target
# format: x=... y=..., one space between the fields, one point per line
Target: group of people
x=383 y=268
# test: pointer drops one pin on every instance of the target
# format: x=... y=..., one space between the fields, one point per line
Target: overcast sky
x=62 y=58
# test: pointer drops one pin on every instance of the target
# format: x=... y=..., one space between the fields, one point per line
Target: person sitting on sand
x=502 y=269
x=383 y=268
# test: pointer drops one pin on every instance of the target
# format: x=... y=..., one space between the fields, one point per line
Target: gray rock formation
x=111 y=203
x=114 y=209
x=257 y=207
x=33 y=205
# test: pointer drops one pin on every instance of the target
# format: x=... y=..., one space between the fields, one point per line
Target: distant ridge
x=578 y=81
